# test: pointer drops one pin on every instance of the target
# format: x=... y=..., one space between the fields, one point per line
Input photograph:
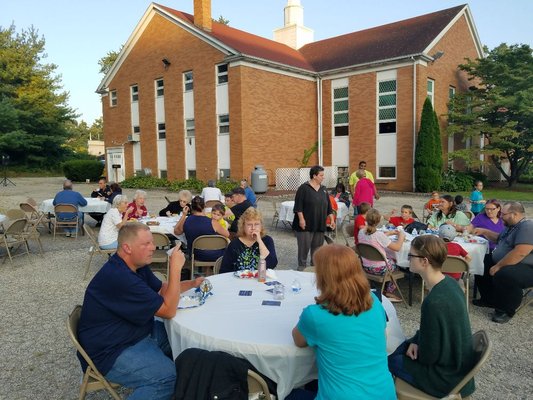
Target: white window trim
x=132 y=94
x=347 y=111
x=159 y=130
x=220 y=74
x=188 y=129
x=158 y=88
x=395 y=106
x=221 y=124
x=113 y=98
x=187 y=81
x=431 y=93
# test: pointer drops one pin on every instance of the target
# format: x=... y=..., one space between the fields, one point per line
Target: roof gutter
x=319 y=117
x=273 y=64
x=414 y=119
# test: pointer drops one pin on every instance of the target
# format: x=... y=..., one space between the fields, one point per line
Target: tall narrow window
x=222 y=74
x=113 y=98
x=223 y=124
x=431 y=91
x=161 y=131
x=341 y=120
x=134 y=93
x=159 y=88
x=387 y=106
x=189 y=128
x=187 y=81
x=136 y=129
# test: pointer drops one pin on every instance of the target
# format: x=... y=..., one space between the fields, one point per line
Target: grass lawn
x=519 y=192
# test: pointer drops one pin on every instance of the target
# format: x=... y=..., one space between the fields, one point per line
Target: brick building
x=188 y=96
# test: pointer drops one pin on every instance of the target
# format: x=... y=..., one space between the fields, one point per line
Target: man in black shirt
x=238 y=196
x=102 y=192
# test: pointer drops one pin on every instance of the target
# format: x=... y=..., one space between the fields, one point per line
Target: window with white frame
x=188 y=81
x=387 y=172
x=113 y=101
x=136 y=129
x=159 y=88
x=189 y=128
x=223 y=124
x=161 y=131
x=222 y=74
x=387 y=106
x=431 y=91
x=134 y=93
x=341 y=120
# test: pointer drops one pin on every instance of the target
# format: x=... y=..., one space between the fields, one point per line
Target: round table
x=242 y=326
x=286 y=212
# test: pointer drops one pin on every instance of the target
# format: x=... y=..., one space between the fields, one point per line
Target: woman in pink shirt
x=365 y=190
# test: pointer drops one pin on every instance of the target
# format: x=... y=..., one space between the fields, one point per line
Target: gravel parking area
x=37 y=293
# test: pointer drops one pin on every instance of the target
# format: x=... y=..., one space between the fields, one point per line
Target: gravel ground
x=37 y=359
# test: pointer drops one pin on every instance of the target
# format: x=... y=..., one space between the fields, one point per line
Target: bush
x=226 y=185
x=478 y=176
x=428 y=161
x=144 y=182
x=192 y=184
x=81 y=170
x=455 y=181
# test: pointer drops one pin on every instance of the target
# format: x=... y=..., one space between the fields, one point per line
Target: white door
x=190 y=147
x=115 y=164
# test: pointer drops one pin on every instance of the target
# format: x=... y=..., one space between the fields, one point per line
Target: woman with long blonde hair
x=346 y=327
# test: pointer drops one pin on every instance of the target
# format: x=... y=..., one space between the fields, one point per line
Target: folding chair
x=93 y=380
x=95 y=248
x=256 y=384
x=15 y=213
x=32 y=214
x=369 y=252
x=482 y=351
x=66 y=223
x=526 y=299
x=162 y=244
x=14 y=236
x=328 y=239
x=275 y=216
x=454 y=264
x=211 y=203
x=206 y=242
x=216 y=267
x=347 y=231
x=31 y=232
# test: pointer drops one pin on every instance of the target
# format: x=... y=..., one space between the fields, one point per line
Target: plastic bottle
x=296 y=287
x=262 y=273
x=414 y=232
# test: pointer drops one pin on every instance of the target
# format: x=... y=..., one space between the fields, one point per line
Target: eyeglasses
x=510 y=212
x=409 y=256
x=490 y=209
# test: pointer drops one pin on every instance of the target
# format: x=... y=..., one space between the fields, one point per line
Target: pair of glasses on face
x=409 y=256
x=490 y=209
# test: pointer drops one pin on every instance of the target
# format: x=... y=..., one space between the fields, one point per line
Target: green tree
x=497 y=111
x=428 y=154
x=222 y=20
x=33 y=107
x=80 y=133
x=107 y=61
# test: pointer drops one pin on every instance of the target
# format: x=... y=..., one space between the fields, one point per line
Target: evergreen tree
x=428 y=166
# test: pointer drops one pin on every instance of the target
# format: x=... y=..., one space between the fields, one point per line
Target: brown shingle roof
x=395 y=40
x=403 y=38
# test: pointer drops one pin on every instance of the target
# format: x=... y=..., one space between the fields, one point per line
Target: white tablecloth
x=476 y=250
x=286 y=212
x=94 y=205
x=166 y=226
x=261 y=334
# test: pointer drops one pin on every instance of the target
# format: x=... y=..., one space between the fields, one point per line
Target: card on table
x=245 y=293
x=271 y=290
x=271 y=303
x=272 y=283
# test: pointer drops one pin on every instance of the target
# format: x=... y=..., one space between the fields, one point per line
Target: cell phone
x=170 y=251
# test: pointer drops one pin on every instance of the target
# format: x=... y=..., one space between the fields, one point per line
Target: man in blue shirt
x=249 y=193
x=117 y=327
x=69 y=196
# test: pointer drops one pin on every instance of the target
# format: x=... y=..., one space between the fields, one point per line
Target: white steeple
x=294 y=33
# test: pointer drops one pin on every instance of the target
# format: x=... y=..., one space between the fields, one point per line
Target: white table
x=475 y=250
x=94 y=205
x=166 y=226
x=261 y=334
x=286 y=212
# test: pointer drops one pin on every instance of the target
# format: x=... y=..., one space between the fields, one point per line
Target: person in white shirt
x=211 y=193
x=112 y=222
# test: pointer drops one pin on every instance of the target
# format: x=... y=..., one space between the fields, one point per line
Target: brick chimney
x=202 y=14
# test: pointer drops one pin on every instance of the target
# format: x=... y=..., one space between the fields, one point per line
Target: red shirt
x=397 y=221
x=137 y=212
x=455 y=249
x=360 y=220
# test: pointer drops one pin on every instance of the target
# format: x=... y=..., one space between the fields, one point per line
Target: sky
x=78 y=33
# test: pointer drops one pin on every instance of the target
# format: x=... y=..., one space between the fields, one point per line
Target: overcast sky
x=78 y=33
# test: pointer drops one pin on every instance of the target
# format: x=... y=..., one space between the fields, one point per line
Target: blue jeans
x=71 y=216
x=396 y=364
x=110 y=246
x=147 y=367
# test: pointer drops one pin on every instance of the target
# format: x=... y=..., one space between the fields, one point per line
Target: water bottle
x=414 y=232
x=262 y=273
x=296 y=287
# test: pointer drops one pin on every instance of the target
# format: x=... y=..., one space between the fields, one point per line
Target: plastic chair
x=482 y=351
x=218 y=264
x=256 y=384
x=469 y=214
x=369 y=252
x=66 y=223
x=94 y=249
x=93 y=380
x=454 y=264
x=206 y=242
x=14 y=236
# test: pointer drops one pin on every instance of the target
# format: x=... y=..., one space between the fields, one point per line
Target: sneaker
x=482 y=303
x=392 y=297
x=501 y=317
x=68 y=234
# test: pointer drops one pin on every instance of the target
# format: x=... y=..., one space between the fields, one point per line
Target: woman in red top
x=360 y=220
x=137 y=209
x=365 y=190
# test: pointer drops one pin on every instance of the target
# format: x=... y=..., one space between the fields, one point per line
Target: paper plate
x=189 y=302
x=245 y=274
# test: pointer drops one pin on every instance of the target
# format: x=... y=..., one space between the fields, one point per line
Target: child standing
x=448 y=234
x=476 y=198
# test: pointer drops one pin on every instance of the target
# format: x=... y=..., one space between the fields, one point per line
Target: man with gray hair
x=510 y=269
x=117 y=327
x=211 y=192
x=69 y=196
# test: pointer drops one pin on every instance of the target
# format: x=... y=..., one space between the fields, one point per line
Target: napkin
x=204 y=290
x=271 y=274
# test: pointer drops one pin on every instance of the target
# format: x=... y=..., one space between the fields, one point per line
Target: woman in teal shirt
x=346 y=327
x=476 y=198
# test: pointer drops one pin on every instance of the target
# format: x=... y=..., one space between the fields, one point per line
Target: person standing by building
x=311 y=208
x=354 y=178
x=476 y=198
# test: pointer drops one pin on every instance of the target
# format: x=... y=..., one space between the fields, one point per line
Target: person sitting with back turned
x=249 y=193
x=69 y=196
x=448 y=234
x=117 y=327
x=114 y=219
x=211 y=192
x=115 y=190
x=441 y=353
x=238 y=196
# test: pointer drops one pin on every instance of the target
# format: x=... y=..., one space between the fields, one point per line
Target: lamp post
x=6 y=180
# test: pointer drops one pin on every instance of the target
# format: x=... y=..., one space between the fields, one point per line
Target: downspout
x=319 y=117
x=414 y=119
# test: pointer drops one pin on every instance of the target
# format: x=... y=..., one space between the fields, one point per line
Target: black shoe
x=98 y=224
x=482 y=303
x=500 y=317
